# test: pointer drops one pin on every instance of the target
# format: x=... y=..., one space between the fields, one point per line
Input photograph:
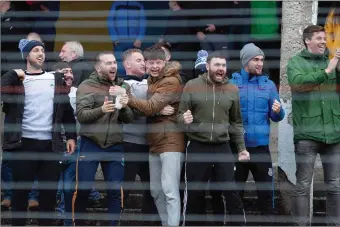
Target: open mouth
x=40 y=59
x=219 y=76
x=322 y=47
x=112 y=71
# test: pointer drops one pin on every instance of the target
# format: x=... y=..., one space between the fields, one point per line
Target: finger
x=106 y=99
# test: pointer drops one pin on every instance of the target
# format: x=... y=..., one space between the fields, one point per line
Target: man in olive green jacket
x=101 y=134
x=316 y=122
x=210 y=109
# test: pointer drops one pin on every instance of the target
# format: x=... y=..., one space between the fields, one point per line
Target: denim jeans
x=305 y=154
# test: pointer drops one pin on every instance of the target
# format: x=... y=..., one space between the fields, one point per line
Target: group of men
x=148 y=122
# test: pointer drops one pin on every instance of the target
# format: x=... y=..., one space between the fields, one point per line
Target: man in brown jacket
x=101 y=134
x=165 y=140
x=210 y=109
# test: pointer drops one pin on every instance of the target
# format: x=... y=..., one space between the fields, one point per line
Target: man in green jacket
x=210 y=110
x=316 y=122
x=101 y=132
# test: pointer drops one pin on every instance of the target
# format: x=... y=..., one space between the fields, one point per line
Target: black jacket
x=81 y=70
x=13 y=97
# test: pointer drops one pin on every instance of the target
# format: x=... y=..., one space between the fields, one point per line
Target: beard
x=212 y=77
x=35 y=64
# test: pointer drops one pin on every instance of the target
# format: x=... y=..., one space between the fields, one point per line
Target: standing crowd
x=60 y=124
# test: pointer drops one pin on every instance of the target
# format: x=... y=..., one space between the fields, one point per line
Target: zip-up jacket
x=315 y=102
x=13 y=96
x=257 y=95
x=104 y=129
x=216 y=112
x=126 y=20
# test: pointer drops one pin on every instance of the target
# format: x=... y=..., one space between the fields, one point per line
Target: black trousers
x=35 y=158
x=136 y=158
x=201 y=158
x=261 y=168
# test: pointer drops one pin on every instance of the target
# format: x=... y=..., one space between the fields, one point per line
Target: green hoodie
x=315 y=102
x=216 y=112
x=103 y=129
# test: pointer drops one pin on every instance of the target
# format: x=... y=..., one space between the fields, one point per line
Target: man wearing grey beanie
x=259 y=99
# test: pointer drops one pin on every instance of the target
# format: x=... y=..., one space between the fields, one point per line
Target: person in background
x=127 y=26
x=73 y=53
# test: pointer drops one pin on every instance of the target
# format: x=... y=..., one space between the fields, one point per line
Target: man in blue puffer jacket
x=127 y=25
x=259 y=104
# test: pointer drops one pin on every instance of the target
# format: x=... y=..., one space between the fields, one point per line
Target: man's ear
x=207 y=66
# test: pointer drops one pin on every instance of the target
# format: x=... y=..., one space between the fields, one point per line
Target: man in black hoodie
x=73 y=53
x=32 y=131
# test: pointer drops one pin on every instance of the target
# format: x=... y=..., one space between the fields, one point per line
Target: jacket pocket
x=262 y=101
x=312 y=121
x=336 y=119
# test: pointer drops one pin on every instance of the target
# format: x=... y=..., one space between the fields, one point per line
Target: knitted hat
x=248 y=52
x=26 y=46
x=201 y=61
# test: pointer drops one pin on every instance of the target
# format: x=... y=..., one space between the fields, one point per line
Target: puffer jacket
x=257 y=95
x=163 y=132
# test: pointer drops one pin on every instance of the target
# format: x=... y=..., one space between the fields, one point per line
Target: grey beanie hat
x=248 y=52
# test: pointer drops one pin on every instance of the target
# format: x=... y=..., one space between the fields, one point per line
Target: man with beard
x=210 y=109
x=32 y=131
x=316 y=122
x=101 y=136
x=260 y=103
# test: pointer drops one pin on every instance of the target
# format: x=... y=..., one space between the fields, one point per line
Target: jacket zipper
x=213 y=115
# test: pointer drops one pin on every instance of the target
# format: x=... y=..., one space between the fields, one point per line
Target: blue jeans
x=6 y=177
x=111 y=160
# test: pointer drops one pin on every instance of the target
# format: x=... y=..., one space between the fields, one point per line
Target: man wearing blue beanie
x=37 y=105
x=260 y=103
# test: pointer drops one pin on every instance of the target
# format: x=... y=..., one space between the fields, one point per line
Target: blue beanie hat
x=26 y=46
x=201 y=61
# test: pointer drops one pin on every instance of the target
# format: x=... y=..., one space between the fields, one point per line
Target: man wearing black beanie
x=36 y=104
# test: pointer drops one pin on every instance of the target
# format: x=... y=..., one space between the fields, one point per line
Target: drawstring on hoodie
x=206 y=92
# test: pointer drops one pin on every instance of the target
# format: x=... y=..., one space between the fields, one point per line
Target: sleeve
x=236 y=124
x=301 y=80
x=185 y=103
x=126 y=115
x=274 y=95
x=168 y=91
x=111 y=23
x=9 y=87
x=68 y=120
x=86 y=113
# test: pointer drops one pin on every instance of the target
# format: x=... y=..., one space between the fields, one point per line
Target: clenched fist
x=276 y=106
x=188 y=118
x=20 y=73
x=243 y=156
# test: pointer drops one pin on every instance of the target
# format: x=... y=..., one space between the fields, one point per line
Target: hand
x=188 y=118
x=137 y=43
x=20 y=73
x=108 y=106
x=337 y=53
x=200 y=36
x=332 y=65
x=70 y=146
x=243 y=156
x=167 y=110
x=210 y=28
x=124 y=100
x=276 y=107
x=115 y=90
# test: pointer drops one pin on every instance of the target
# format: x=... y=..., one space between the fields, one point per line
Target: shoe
x=5 y=205
x=33 y=205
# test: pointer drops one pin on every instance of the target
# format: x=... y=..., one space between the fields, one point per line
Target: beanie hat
x=26 y=46
x=248 y=52
x=201 y=61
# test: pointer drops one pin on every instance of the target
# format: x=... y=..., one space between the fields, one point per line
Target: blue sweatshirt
x=257 y=95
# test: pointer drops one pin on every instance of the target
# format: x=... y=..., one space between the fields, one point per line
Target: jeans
x=165 y=173
x=111 y=160
x=305 y=155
